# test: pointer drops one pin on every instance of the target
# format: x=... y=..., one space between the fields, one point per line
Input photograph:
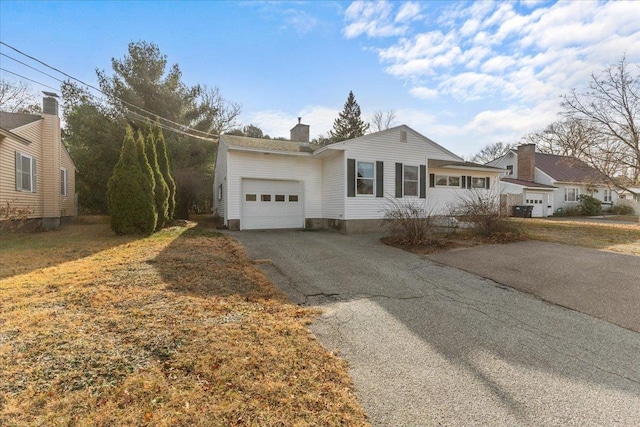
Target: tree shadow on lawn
x=22 y=253
x=203 y=262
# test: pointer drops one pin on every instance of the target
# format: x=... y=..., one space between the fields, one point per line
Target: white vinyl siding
x=387 y=147
x=273 y=167
x=333 y=186
x=219 y=181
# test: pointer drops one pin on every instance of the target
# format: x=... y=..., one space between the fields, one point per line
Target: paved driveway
x=429 y=344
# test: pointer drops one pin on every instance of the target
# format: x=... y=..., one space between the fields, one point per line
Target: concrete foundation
x=233 y=224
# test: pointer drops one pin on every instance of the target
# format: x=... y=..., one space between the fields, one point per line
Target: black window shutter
x=432 y=180
x=351 y=177
x=487 y=184
x=464 y=181
x=423 y=181
x=469 y=183
x=379 y=179
x=399 y=180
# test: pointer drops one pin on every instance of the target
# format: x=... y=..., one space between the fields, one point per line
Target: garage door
x=539 y=203
x=271 y=204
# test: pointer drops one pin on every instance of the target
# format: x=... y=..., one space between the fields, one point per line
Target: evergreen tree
x=161 y=189
x=348 y=125
x=131 y=204
x=150 y=181
x=165 y=169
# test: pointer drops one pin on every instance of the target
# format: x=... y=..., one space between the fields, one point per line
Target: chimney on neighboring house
x=300 y=133
x=50 y=103
x=527 y=162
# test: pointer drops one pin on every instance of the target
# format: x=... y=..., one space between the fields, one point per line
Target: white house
x=549 y=182
x=262 y=184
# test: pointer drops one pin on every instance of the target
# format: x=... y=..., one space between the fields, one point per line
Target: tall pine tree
x=161 y=190
x=348 y=125
x=131 y=203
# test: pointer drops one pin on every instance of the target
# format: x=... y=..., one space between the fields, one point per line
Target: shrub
x=12 y=217
x=482 y=211
x=131 y=200
x=622 y=209
x=589 y=205
x=409 y=220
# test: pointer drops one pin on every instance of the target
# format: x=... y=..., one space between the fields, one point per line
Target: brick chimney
x=300 y=132
x=527 y=162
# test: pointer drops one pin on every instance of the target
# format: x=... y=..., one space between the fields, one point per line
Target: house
x=549 y=182
x=262 y=184
x=36 y=170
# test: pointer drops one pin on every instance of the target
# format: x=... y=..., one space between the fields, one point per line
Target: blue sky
x=465 y=74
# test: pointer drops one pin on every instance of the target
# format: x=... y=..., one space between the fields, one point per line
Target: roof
x=567 y=169
x=261 y=144
x=448 y=164
x=10 y=121
x=528 y=184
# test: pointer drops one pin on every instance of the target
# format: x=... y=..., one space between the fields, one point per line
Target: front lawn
x=177 y=329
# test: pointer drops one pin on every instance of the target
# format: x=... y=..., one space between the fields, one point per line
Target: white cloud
x=300 y=21
x=409 y=11
x=372 y=19
x=424 y=92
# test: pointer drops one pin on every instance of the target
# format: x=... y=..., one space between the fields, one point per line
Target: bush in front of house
x=622 y=209
x=130 y=197
x=589 y=206
x=409 y=220
x=482 y=211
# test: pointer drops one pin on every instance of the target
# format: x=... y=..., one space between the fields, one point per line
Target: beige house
x=36 y=170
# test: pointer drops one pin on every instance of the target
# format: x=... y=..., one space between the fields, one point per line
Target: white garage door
x=539 y=203
x=271 y=204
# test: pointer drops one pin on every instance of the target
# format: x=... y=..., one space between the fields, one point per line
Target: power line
x=209 y=135
x=127 y=112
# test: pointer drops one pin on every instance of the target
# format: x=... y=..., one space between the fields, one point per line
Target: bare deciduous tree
x=609 y=111
x=382 y=121
x=492 y=152
x=16 y=97
x=218 y=113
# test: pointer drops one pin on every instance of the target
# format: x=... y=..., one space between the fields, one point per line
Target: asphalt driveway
x=430 y=344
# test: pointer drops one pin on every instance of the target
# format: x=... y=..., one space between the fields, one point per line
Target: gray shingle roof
x=267 y=144
x=467 y=165
x=568 y=169
x=527 y=183
x=10 y=121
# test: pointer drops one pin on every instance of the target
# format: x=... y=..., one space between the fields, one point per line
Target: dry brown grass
x=175 y=329
x=622 y=238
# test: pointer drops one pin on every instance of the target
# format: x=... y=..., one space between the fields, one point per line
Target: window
x=265 y=197
x=25 y=173
x=509 y=169
x=279 y=197
x=410 y=183
x=63 y=181
x=607 y=195
x=447 y=181
x=293 y=198
x=366 y=178
x=571 y=194
x=478 y=182
x=250 y=198
x=220 y=192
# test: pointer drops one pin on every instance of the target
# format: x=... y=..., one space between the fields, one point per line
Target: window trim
x=608 y=195
x=373 y=178
x=20 y=173
x=473 y=180
x=435 y=181
x=509 y=169
x=576 y=194
x=64 y=182
x=405 y=180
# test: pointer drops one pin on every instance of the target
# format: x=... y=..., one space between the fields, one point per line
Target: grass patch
x=179 y=328
x=622 y=238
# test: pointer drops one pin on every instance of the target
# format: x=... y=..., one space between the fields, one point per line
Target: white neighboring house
x=549 y=182
x=263 y=184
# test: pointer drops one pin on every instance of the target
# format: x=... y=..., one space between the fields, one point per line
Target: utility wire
x=209 y=135
x=127 y=112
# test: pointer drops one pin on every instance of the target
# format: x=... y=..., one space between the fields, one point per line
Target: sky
x=464 y=74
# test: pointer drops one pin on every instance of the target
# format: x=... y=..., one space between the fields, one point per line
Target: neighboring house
x=36 y=170
x=549 y=182
x=261 y=183
x=630 y=194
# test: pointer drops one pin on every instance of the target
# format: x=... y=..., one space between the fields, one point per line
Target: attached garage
x=540 y=202
x=269 y=204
